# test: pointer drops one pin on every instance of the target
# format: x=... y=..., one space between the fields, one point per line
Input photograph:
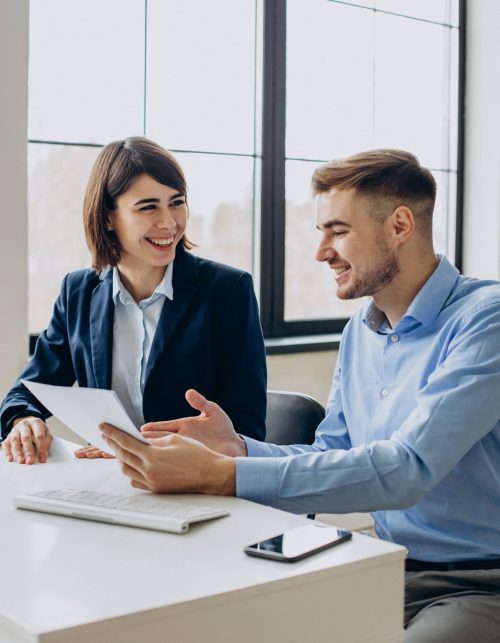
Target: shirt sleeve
x=457 y=407
x=330 y=434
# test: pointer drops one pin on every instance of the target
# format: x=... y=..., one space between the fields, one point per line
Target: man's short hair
x=387 y=178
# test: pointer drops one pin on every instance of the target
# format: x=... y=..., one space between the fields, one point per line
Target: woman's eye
x=178 y=202
x=150 y=206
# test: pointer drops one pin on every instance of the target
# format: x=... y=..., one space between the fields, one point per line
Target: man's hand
x=172 y=464
x=29 y=437
x=212 y=427
x=92 y=452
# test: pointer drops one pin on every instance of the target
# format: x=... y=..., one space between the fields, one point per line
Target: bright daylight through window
x=233 y=87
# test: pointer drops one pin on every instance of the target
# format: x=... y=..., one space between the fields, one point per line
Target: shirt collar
x=164 y=288
x=428 y=302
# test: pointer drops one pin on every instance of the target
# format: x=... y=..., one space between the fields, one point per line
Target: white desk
x=72 y=580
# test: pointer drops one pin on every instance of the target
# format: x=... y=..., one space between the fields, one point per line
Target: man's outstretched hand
x=212 y=427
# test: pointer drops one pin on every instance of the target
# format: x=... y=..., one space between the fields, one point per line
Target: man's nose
x=325 y=250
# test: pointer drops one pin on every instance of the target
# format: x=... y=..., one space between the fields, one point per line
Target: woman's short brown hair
x=118 y=165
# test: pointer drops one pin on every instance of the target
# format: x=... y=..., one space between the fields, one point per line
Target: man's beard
x=371 y=281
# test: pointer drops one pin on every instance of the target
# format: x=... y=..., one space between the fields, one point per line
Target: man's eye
x=339 y=233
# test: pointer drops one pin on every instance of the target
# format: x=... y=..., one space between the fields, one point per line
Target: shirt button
x=384 y=392
x=394 y=338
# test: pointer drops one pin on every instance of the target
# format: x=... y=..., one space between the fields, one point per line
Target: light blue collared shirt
x=412 y=427
x=134 y=329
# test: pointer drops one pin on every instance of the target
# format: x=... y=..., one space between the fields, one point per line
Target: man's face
x=355 y=244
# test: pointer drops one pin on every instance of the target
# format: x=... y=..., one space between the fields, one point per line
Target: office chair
x=292 y=418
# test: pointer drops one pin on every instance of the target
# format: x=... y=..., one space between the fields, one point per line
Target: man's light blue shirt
x=134 y=328
x=412 y=431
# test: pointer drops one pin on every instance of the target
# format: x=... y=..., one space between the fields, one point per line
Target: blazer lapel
x=101 y=331
x=185 y=285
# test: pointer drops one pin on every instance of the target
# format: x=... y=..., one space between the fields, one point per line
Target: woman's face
x=149 y=221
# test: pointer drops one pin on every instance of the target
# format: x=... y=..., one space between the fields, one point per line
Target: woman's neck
x=141 y=283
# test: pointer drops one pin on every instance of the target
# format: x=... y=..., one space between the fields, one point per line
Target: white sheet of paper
x=83 y=409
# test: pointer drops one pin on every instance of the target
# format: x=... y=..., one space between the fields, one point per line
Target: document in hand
x=83 y=409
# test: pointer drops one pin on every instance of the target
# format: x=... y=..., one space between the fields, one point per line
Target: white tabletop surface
x=60 y=572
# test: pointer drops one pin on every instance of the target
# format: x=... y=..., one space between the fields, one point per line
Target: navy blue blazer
x=208 y=338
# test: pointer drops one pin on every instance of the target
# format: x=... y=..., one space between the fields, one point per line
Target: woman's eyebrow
x=147 y=200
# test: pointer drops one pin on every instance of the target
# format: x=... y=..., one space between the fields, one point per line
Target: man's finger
x=139 y=485
x=123 y=452
x=134 y=475
x=153 y=434
x=122 y=439
x=167 y=426
x=198 y=401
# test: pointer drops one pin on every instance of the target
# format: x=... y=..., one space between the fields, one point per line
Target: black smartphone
x=299 y=543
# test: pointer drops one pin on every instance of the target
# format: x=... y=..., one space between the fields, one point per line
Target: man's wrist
x=224 y=477
x=240 y=445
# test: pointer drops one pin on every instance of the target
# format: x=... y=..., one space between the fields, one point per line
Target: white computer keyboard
x=147 y=511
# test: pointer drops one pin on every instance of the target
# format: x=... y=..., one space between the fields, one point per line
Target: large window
x=250 y=95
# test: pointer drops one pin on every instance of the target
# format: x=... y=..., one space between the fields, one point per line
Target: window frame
x=273 y=183
x=307 y=334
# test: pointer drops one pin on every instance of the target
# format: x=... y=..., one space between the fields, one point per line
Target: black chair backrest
x=292 y=418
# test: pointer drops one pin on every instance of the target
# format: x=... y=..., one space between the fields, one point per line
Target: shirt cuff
x=257 y=448
x=257 y=480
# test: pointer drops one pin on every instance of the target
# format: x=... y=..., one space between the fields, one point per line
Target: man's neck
x=395 y=299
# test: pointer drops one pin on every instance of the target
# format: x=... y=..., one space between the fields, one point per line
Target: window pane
x=445 y=213
x=309 y=287
x=57 y=178
x=329 y=79
x=412 y=96
x=86 y=71
x=437 y=10
x=220 y=199
x=201 y=74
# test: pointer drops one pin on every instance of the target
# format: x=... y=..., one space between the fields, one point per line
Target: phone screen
x=298 y=543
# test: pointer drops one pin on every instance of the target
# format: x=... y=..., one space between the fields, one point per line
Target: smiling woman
x=149 y=320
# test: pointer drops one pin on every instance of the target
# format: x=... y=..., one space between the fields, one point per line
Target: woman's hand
x=92 y=452
x=29 y=437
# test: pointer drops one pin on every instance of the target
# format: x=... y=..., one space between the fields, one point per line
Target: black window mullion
x=273 y=167
x=459 y=214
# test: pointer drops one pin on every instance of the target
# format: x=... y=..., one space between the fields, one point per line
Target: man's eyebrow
x=332 y=223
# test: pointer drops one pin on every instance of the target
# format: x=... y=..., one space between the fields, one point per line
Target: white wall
x=482 y=141
x=13 y=202
x=309 y=373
